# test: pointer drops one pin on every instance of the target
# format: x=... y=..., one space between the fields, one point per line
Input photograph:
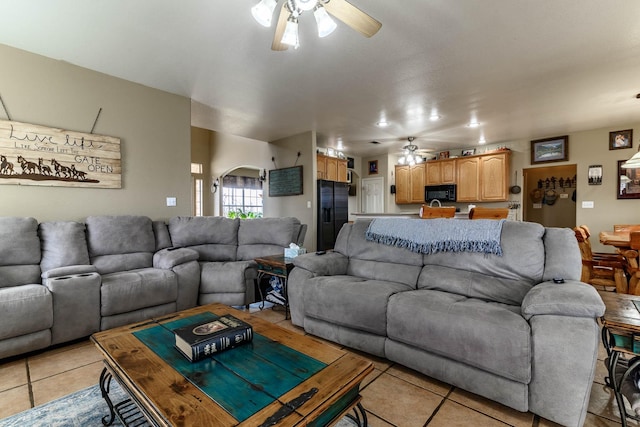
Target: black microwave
x=444 y=192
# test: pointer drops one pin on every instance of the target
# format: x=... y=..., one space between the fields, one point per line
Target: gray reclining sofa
x=497 y=326
x=65 y=280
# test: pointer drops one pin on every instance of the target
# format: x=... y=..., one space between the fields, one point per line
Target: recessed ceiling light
x=382 y=123
x=434 y=116
x=473 y=124
x=482 y=140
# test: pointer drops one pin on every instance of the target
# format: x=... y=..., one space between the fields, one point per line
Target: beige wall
x=153 y=127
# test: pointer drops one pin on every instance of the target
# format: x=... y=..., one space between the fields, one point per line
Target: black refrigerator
x=333 y=200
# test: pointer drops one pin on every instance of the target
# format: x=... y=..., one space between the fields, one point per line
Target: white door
x=373 y=195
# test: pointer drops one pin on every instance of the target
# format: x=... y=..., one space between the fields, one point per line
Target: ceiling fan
x=412 y=154
x=286 y=33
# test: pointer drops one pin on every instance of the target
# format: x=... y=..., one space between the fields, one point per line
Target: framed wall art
x=628 y=182
x=373 y=167
x=469 y=152
x=595 y=175
x=620 y=139
x=550 y=150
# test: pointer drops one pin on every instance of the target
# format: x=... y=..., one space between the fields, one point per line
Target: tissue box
x=294 y=252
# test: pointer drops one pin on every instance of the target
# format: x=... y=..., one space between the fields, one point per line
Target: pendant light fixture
x=410 y=157
x=633 y=162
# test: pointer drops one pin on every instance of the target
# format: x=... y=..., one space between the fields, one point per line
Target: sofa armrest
x=70 y=270
x=328 y=264
x=572 y=298
x=171 y=257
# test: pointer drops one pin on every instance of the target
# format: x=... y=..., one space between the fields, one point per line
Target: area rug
x=84 y=408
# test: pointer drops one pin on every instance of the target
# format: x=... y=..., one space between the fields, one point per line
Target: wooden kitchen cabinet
x=441 y=172
x=331 y=168
x=483 y=178
x=410 y=182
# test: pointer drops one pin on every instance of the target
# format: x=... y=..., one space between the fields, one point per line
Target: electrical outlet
x=171 y=201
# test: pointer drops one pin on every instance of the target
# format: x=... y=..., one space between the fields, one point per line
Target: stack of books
x=204 y=339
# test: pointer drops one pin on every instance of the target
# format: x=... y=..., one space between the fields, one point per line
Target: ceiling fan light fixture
x=290 y=35
x=326 y=25
x=306 y=4
x=263 y=12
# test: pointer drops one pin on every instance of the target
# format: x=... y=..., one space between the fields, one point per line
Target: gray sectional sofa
x=60 y=281
x=497 y=326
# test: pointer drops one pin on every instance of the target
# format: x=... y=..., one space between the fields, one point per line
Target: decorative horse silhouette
x=27 y=166
x=44 y=169
x=61 y=170
x=6 y=167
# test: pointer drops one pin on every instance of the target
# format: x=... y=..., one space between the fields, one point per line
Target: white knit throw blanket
x=430 y=236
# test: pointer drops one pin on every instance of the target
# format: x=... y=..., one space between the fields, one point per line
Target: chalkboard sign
x=285 y=182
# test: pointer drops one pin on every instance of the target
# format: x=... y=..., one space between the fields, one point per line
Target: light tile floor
x=392 y=394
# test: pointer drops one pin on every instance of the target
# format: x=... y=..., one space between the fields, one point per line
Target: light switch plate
x=171 y=201
x=587 y=204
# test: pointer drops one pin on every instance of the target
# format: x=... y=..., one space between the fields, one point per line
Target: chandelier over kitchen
x=410 y=157
x=286 y=33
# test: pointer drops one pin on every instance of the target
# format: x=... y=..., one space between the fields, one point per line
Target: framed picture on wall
x=620 y=139
x=595 y=175
x=550 y=150
x=628 y=182
x=373 y=167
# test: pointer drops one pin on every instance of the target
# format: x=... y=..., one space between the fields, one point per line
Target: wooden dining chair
x=603 y=271
x=488 y=213
x=427 y=212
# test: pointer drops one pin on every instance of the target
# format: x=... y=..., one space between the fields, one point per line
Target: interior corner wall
x=285 y=152
x=153 y=127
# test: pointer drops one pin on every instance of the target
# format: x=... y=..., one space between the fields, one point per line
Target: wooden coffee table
x=280 y=377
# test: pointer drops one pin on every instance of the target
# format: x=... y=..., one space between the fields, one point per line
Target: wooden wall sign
x=39 y=155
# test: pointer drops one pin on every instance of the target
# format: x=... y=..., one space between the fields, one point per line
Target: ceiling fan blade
x=282 y=24
x=353 y=17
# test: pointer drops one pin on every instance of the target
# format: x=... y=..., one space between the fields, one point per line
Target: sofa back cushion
x=505 y=278
x=266 y=236
x=214 y=238
x=19 y=251
x=120 y=243
x=161 y=233
x=372 y=260
x=63 y=243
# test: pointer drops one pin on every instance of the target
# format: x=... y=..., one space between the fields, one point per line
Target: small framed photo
x=373 y=167
x=469 y=152
x=628 y=182
x=620 y=139
x=550 y=150
x=443 y=155
x=595 y=175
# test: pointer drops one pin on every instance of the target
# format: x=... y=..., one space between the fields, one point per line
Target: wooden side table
x=278 y=266
x=621 y=337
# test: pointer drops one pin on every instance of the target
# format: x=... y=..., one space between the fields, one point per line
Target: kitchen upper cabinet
x=331 y=168
x=483 y=178
x=494 y=173
x=441 y=172
x=467 y=179
x=410 y=181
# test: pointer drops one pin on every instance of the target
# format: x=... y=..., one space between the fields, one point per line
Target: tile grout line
x=435 y=411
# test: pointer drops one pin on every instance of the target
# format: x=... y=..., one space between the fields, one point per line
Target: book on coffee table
x=203 y=339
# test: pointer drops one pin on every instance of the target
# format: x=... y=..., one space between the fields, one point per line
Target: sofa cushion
x=350 y=301
x=474 y=285
x=487 y=335
x=126 y=291
x=161 y=234
x=25 y=309
x=523 y=258
x=122 y=234
x=15 y=275
x=220 y=277
x=272 y=231
x=214 y=238
x=19 y=241
x=63 y=243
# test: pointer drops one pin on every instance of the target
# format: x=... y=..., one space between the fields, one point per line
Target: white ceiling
x=526 y=69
